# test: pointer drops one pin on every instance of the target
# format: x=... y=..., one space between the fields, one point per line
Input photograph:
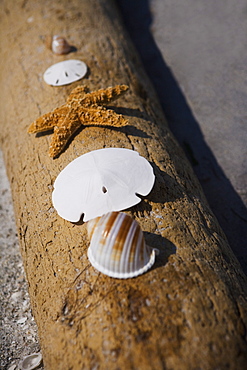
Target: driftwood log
x=189 y=311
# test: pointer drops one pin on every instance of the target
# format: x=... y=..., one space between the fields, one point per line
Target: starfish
x=81 y=108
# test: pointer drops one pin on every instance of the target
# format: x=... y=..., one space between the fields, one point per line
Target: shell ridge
x=134 y=249
x=104 y=240
x=95 y=240
x=115 y=231
x=136 y=256
x=139 y=262
x=113 y=236
x=125 y=255
x=121 y=237
x=111 y=225
x=91 y=226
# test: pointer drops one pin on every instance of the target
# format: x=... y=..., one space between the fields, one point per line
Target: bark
x=189 y=311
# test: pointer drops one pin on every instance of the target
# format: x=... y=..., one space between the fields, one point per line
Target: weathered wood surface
x=189 y=311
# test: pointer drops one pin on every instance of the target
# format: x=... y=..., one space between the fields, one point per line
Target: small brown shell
x=58 y=45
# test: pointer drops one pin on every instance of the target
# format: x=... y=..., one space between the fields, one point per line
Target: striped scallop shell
x=117 y=247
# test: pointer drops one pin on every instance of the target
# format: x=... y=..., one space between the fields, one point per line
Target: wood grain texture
x=189 y=311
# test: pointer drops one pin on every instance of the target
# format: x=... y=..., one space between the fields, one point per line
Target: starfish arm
x=77 y=94
x=48 y=120
x=101 y=116
x=104 y=96
x=62 y=134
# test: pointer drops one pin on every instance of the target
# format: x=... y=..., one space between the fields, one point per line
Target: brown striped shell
x=117 y=247
x=59 y=45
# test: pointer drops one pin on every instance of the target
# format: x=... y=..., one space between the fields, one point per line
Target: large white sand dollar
x=66 y=72
x=101 y=181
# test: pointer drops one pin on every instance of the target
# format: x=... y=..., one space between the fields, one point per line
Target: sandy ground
x=18 y=331
x=195 y=54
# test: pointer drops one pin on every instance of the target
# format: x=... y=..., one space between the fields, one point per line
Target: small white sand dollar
x=66 y=72
x=101 y=181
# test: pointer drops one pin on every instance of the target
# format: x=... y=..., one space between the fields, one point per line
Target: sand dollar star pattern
x=81 y=108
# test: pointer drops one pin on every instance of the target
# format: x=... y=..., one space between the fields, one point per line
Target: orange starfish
x=81 y=108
